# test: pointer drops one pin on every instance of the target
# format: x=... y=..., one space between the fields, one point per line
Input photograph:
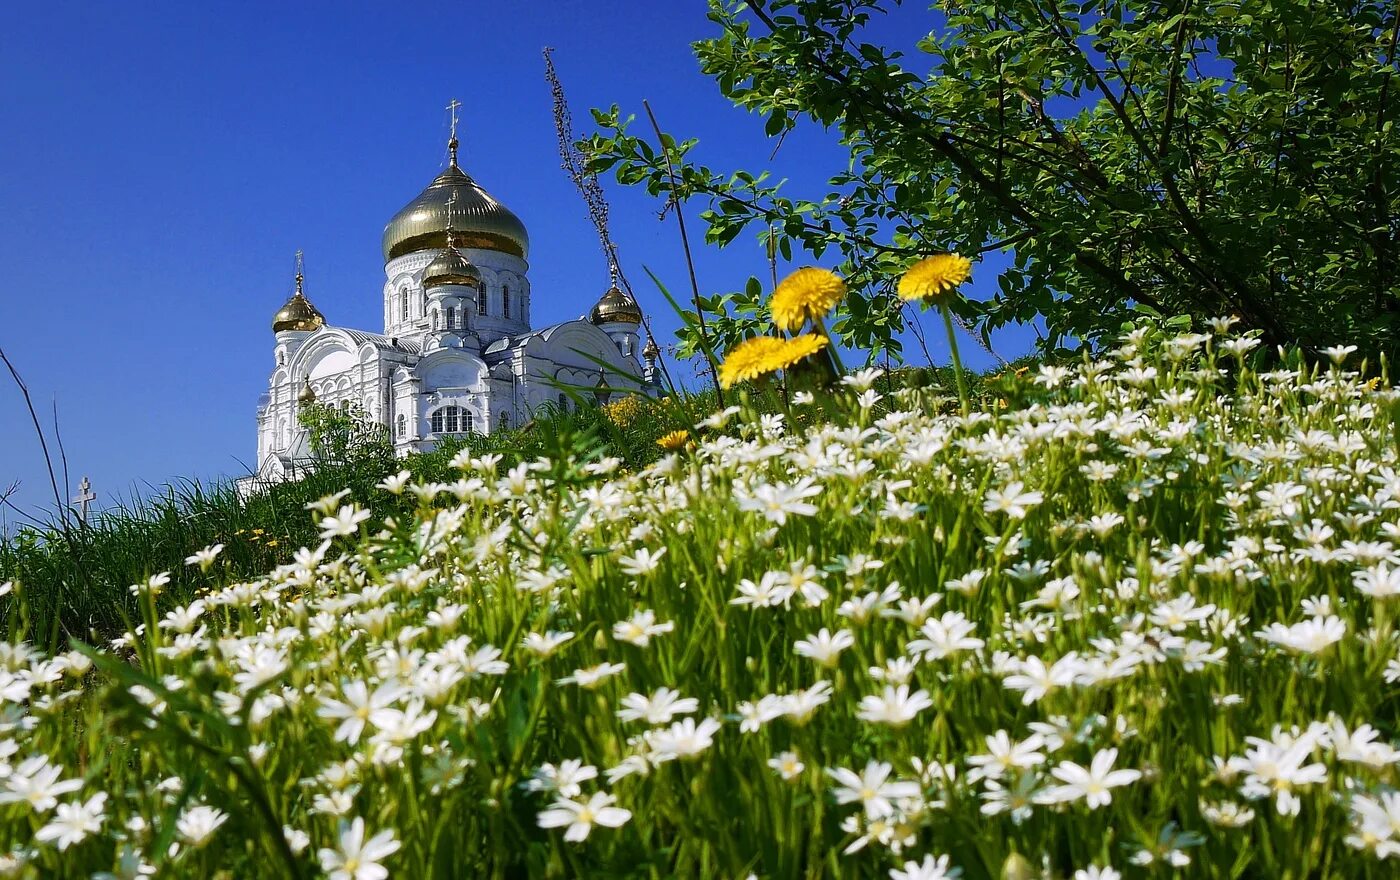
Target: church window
x=481 y=302
x=504 y=421
x=403 y=304
x=450 y=420
x=403 y=425
x=563 y=400
x=469 y=423
x=451 y=318
x=505 y=302
x=435 y=319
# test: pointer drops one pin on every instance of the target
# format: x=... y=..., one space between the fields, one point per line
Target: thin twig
x=689 y=260
x=39 y=432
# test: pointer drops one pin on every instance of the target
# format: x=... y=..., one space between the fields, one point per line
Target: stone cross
x=82 y=499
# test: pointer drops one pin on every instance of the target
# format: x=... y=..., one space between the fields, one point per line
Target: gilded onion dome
x=616 y=307
x=455 y=199
x=306 y=396
x=451 y=267
x=298 y=313
x=651 y=350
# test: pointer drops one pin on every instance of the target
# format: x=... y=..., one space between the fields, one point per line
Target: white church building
x=458 y=354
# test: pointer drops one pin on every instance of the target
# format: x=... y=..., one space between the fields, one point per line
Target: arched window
x=403 y=425
x=423 y=303
x=451 y=318
x=504 y=421
x=450 y=420
x=345 y=406
x=469 y=422
x=481 y=302
x=505 y=302
x=403 y=304
x=563 y=400
x=435 y=319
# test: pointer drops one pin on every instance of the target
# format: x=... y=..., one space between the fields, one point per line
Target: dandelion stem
x=957 y=361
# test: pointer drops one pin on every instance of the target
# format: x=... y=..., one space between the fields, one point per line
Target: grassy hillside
x=1134 y=621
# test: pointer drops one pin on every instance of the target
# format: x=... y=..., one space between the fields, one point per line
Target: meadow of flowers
x=1135 y=620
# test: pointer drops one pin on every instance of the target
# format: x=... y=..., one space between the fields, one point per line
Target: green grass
x=1166 y=561
x=77 y=577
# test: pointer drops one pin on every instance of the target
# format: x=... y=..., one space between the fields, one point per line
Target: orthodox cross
x=300 y=270
x=452 y=138
x=84 y=496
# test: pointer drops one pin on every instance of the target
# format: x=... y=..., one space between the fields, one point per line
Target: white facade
x=457 y=355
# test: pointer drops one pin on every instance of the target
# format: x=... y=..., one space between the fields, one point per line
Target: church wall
x=500 y=272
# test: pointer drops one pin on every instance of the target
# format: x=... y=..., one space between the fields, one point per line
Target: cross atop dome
x=454 y=198
x=452 y=137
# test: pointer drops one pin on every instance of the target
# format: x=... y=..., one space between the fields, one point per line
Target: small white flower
x=895 y=706
x=929 y=869
x=581 y=816
x=593 y=676
x=346 y=522
x=641 y=563
x=395 y=484
x=640 y=628
x=545 y=644
x=1012 y=500
x=871 y=788
x=787 y=765
x=1093 y=783
x=356 y=858
x=196 y=826
x=205 y=558
x=73 y=823
x=659 y=708
x=825 y=647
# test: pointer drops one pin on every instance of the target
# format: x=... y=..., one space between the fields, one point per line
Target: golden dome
x=306 y=395
x=480 y=220
x=298 y=313
x=651 y=350
x=616 y=306
x=451 y=267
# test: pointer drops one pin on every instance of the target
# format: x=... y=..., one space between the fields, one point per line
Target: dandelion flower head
x=934 y=276
x=805 y=295
x=766 y=354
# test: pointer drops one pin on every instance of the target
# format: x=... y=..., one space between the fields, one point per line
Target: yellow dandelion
x=807 y=294
x=766 y=354
x=674 y=440
x=933 y=276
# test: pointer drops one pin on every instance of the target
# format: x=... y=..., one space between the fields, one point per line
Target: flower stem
x=820 y=327
x=957 y=361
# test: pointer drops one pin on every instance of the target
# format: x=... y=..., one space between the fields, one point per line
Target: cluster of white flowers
x=1151 y=587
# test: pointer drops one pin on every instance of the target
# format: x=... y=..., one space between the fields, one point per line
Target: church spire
x=452 y=138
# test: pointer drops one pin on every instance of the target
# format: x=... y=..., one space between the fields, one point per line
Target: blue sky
x=163 y=162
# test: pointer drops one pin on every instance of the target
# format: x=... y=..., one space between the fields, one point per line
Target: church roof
x=451 y=267
x=297 y=313
x=455 y=199
x=379 y=340
x=615 y=306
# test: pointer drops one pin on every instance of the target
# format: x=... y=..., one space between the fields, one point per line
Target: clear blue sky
x=162 y=162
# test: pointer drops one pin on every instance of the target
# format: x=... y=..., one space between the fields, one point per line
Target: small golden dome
x=306 y=395
x=451 y=267
x=297 y=314
x=651 y=350
x=616 y=307
x=453 y=198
